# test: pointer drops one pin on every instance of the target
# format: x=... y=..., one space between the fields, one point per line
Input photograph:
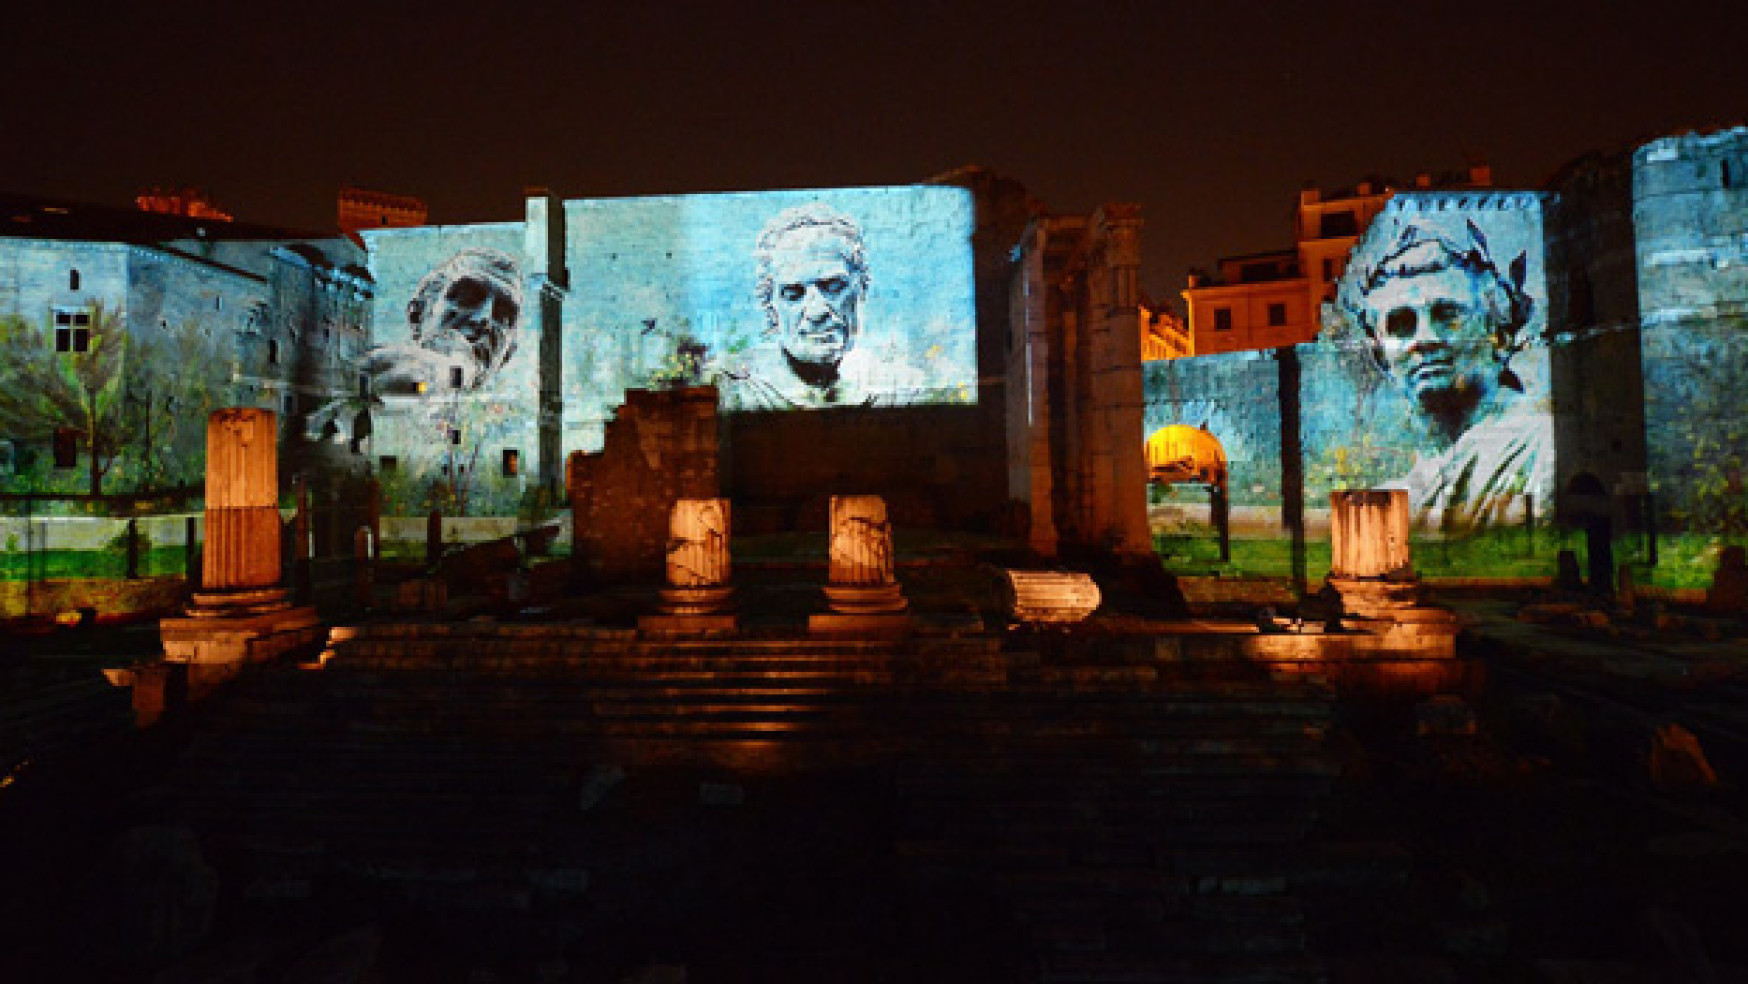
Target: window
x=1331 y=225
x=454 y=437
x=73 y=275
x=388 y=462
x=72 y=330
x=290 y=404
x=512 y=462
x=1222 y=319
x=454 y=377
x=273 y=351
x=1277 y=315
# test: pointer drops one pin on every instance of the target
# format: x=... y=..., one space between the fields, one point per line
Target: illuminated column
x=698 y=562
x=1368 y=533
x=1116 y=441
x=240 y=614
x=859 y=577
x=240 y=566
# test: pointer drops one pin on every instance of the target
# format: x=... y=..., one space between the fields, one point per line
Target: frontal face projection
x=812 y=279
x=1443 y=322
x=812 y=282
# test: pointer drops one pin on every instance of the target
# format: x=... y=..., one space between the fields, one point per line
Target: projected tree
x=68 y=379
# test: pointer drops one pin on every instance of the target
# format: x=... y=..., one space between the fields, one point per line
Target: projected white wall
x=452 y=383
x=1441 y=322
x=795 y=300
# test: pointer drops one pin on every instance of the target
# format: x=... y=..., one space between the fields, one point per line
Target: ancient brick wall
x=660 y=446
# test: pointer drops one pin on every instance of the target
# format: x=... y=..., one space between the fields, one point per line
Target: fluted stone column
x=1368 y=533
x=1371 y=572
x=240 y=565
x=859 y=575
x=240 y=614
x=698 y=562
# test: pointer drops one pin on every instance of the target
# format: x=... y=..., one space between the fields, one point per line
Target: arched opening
x=1179 y=454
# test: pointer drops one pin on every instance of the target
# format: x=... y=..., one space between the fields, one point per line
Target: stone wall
x=1236 y=398
x=660 y=446
x=1690 y=209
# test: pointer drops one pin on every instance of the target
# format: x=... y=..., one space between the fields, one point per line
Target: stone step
x=55 y=716
x=1097 y=967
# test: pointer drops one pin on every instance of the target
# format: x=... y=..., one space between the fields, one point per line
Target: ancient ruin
x=241 y=613
x=698 y=591
x=860 y=587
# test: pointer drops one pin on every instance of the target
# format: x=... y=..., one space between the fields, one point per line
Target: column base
x=866 y=599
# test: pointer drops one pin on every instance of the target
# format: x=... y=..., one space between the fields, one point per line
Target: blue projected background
x=666 y=290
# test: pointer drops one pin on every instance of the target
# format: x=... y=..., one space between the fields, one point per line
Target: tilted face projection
x=462 y=321
x=1443 y=322
x=468 y=310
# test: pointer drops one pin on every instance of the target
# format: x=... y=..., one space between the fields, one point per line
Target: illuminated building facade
x=1266 y=300
x=121 y=329
x=1571 y=356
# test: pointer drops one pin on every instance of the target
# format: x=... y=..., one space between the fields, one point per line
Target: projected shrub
x=1439 y=325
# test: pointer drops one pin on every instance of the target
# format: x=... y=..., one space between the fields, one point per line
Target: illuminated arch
x=1180 y=453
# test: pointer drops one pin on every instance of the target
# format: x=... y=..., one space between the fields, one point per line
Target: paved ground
x=1538 y=848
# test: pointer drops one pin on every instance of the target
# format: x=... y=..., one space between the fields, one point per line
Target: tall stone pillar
x=861 y=589
x=240 y=567
x=240 y=613
x=1116 y=440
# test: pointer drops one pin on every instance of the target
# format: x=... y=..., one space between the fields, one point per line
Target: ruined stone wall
x=1596 y=375
x=1235 y=397
x=1690 y=212
x=660 y=446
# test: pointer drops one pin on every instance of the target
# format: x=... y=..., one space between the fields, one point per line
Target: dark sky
x=1210 y=114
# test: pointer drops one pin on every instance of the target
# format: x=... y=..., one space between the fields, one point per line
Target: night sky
x=1209 y=114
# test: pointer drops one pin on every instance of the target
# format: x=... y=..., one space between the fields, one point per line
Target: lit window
x=512 y=462
x=1222 y=319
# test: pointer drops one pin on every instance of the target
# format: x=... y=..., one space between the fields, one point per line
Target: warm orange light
x=1180 y=453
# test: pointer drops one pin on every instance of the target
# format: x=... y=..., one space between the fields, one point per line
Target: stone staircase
x=45 y=717
x=1136 y=824
x=1115 y=818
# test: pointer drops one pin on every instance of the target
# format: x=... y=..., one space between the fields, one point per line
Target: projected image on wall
x=812 y=286
x=1449 y=325
x=794 y=300
x=461 y=325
